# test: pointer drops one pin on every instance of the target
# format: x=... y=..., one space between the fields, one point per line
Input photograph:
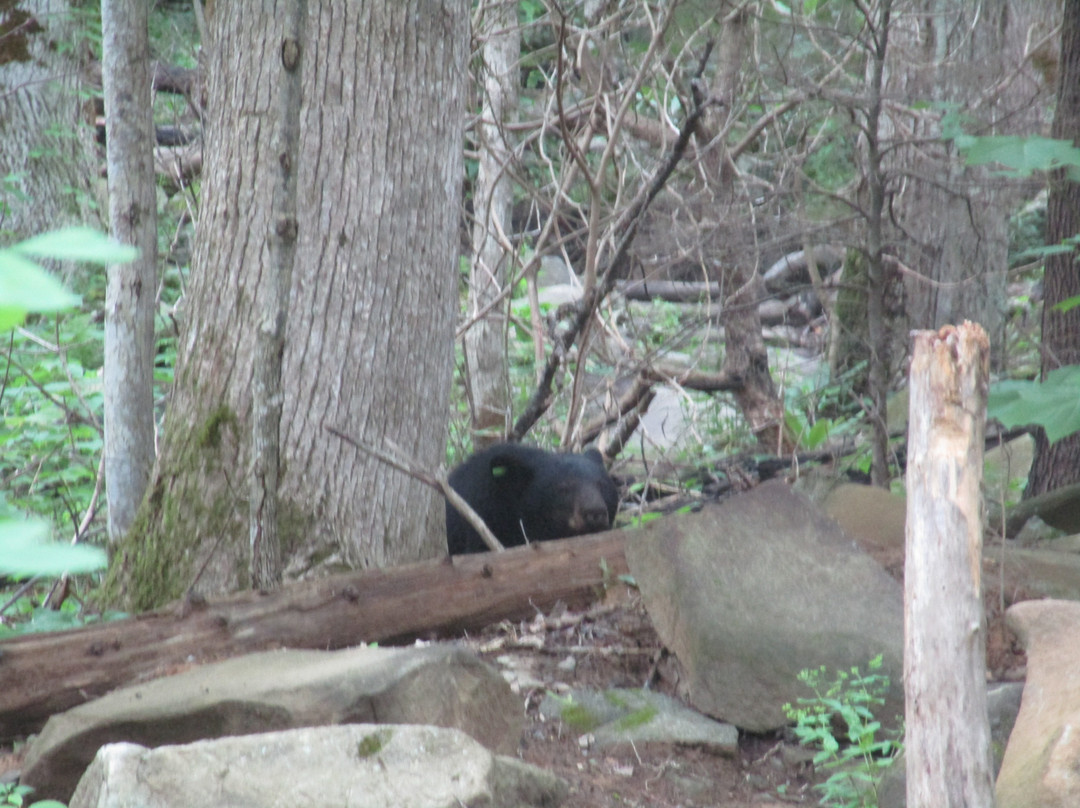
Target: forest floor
x=613 y=644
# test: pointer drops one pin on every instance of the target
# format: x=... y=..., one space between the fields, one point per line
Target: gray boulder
x=1041 y=573
x=622 y=716
x=441 y=685
x=1042 y=759
x=359 y=765
x=749 y=593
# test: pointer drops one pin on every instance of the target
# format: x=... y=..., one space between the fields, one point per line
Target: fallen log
x=671 y=291
x=42 y=674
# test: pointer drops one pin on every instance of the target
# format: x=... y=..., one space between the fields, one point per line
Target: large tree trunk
x=373 y=298
x=48 y=159
x=1059 y=464
x=131 y=294
x=492 y=259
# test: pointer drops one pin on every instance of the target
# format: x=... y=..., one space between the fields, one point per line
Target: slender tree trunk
x=745 y=356
x=373 y=299
x=876 y=283
x=1059 y=464
x=947 y=742
x=131 y=293
x=485 y=341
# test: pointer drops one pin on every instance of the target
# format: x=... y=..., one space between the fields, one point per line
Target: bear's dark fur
x=525 y=494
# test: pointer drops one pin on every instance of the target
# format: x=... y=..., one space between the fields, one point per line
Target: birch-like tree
x=132 y=288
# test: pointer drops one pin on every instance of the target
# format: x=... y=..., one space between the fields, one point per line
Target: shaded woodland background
x=821 y=206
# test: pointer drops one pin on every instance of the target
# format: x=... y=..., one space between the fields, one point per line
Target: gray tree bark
x=131 y=291
x=47 y=162
x=876 y=282
x=947 y=741
x=267 y=392
x=373 y=299
x=485 y=339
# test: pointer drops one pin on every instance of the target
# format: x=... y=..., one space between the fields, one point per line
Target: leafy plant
x=1053 y=404
x=15 y=796
x=26 y=288
x=26 y=551
x=860 y=756
x=1021 y=154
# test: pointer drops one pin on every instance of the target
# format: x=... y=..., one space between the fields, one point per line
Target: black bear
x=525 y=494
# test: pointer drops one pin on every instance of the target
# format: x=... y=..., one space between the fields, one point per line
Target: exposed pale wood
x=44 y=674
x=947 y=743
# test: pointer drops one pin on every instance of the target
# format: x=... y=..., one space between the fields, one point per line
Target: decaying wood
x=46 y=673
x=947 y=739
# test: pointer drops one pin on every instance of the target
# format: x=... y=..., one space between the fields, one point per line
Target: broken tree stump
x=947 y=743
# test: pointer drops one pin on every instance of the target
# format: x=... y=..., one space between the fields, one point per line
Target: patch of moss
x=210 y=434
x=637 y=718
x=578 y=717
x=373 y=744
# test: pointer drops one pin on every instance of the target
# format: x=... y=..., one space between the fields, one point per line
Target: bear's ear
x=593 y=455
x=506 y=469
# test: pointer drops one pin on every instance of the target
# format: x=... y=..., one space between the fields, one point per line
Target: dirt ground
x=613 y=644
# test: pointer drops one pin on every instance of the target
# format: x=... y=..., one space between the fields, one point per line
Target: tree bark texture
x=368 y=345
x=745 y=356
x=947 y=741
x=876 y=283
x=47 y=162
x=1059 y=464
x=131 y=291
x=430 y=598
x=264 y=533
x=485 y=340
x=967 y=58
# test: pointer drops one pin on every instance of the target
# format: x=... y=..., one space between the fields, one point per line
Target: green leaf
x=26 y=287
x=77 y=244
x=1067 y=304
x=24 y=551
x=1053 y=404
x=818 y=433
x=1021 y=154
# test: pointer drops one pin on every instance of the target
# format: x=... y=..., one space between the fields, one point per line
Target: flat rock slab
x=358 y=765
x=624 y=716
x=441 y=685
x=1041 y=768
x=749 y=593
x=1041 y=573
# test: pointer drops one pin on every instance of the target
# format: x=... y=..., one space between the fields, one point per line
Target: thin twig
x=406 y=465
